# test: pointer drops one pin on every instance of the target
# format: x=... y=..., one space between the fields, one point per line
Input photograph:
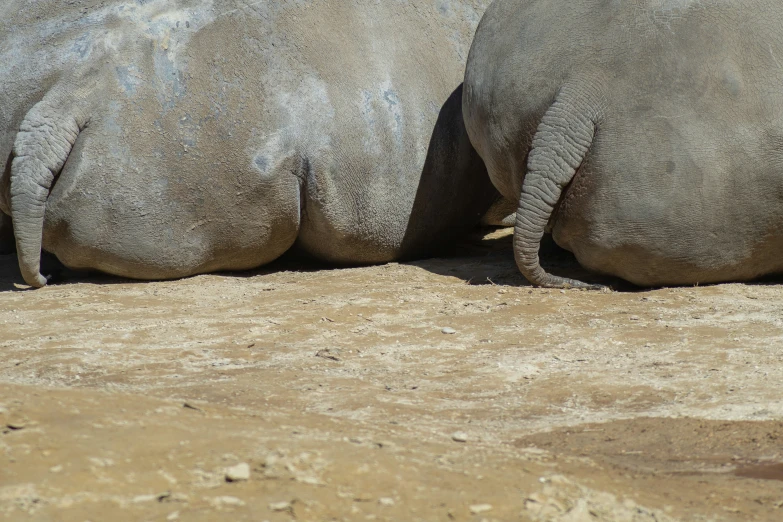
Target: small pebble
x=56 y=469
x=238 y=472
x=174 y=497
x=228 y=501
x=459 y=436
x=386 y=501
x=138 y=499
x=280 y=506
x=449 y=331
x=174 y=515
x=475 y=509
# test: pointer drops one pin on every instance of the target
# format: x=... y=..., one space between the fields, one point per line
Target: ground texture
x=336 y=395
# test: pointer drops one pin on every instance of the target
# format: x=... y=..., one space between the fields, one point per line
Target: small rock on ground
x=476 y=509
x=226 y=501
x=239 y=472
x=280 y=506
x=459 y=436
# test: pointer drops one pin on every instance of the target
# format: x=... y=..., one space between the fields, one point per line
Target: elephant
x=157 y=140
x=646 y=137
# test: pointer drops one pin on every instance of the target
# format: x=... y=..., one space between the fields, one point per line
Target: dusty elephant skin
x=159 y=140
x=646 y=136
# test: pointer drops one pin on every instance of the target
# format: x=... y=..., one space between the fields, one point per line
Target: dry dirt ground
x=124 y=400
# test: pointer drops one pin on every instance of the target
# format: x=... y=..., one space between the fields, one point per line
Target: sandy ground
x=338 y=389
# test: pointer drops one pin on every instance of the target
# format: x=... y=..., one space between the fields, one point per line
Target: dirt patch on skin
x=339 y=389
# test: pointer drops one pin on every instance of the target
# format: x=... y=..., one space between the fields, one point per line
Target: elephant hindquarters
x=136 y=210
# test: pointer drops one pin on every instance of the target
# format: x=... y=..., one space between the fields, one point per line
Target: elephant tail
x=42 y=145
x=560 y=145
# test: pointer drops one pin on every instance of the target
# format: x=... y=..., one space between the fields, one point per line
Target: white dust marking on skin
x=772 y=54
x=305 y=127
x=653 y=15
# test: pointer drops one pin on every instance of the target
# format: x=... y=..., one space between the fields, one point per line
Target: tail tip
x=36 y=280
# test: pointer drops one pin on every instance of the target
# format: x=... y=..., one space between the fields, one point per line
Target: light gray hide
x=502 y=213
x=661 y=121
x=193 y=136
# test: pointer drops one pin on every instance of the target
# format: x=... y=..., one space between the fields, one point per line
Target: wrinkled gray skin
x=646 y=136
x=162 y=139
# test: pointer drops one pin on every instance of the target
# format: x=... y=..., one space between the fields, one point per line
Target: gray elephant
x=161 y=139
x=646 y=136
